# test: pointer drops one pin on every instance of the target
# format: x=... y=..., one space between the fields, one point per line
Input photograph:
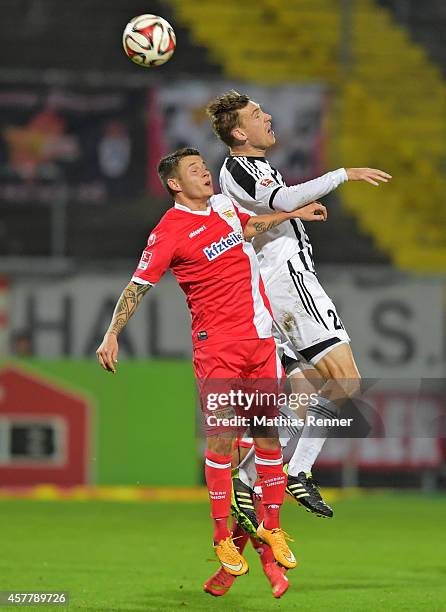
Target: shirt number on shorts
x=337 y=323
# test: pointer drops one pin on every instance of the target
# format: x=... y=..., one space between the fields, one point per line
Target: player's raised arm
x=297 y=196
x=128 y=302
x=263 y=223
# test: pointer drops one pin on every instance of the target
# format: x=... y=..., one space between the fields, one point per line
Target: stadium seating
x=426 y=22
x=398 y=125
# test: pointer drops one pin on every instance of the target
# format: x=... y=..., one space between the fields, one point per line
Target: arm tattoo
x=126 y=306
x=261 y=227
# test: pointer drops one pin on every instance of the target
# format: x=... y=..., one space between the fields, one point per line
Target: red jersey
x=215 y=267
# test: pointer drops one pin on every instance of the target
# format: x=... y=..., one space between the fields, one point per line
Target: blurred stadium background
x=349 y=83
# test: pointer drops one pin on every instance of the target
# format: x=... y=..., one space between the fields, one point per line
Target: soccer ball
x=149 y=40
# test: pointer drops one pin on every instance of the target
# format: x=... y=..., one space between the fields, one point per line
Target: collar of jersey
x=206 y=212
x=250 y=157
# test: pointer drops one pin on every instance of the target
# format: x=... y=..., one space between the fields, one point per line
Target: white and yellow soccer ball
x=149 y=40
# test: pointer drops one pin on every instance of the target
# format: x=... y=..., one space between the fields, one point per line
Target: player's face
x=194 y=178
x=256 y=125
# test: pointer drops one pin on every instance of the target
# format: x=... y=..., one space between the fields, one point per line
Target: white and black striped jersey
x=257 y=187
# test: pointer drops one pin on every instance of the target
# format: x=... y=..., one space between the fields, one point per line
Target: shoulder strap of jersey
x=241 y=175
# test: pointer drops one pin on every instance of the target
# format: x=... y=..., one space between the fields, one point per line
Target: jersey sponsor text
x=224 y=244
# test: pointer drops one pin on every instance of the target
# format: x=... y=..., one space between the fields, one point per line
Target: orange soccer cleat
x=276 y=538
x=230 y=558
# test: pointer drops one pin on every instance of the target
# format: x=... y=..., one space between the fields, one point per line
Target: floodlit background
x=348 y=83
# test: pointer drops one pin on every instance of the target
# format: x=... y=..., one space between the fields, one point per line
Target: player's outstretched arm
x=297 y=196
x=263 y=223
x=128 y=302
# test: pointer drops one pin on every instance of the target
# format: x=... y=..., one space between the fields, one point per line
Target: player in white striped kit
x=311 y=334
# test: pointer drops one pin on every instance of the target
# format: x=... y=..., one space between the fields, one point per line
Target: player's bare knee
x=353 y=383
x=343 y=379
x=267 y=443
x=220 y=445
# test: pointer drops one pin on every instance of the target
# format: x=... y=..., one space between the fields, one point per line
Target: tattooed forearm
x=260 y=224
x=126 y=306
x=261 y=227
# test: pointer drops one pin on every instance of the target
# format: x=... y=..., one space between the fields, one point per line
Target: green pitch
x=380 y=552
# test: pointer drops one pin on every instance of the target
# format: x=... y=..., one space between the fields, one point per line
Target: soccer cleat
x=242 y=507
x=277 y=579
x=219 y=584
x=230 y=558
x=276 y=538
x=306 y=492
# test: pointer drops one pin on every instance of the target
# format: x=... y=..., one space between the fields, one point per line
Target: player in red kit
x=203 y=239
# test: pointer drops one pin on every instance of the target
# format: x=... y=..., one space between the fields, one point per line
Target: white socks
x=308 y=448
x=306 y=453
x=247 y=471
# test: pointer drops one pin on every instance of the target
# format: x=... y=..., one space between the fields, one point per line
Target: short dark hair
x=168 y=165
x=223 y=113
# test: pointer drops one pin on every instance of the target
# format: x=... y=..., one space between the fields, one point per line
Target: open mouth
x=208 y=183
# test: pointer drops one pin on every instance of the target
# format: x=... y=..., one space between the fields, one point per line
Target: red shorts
x=256 y=358
x=237 y=380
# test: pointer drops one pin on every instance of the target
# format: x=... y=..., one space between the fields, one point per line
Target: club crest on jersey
x=151 y=240
x=229 y=214
x=266 y=182
x=145 y=260
x=224 y=244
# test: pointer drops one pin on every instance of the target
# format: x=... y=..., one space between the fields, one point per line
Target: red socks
x=271 y=520
x=239 y=536
x=263 y=550
x=218 y=479
x=269 y=464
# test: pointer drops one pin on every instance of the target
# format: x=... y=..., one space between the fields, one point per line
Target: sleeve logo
x=151 y=240
x=266 y=182
x=145 y=260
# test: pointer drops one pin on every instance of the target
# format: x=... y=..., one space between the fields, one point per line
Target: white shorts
x=291 y=360
x=307 y=325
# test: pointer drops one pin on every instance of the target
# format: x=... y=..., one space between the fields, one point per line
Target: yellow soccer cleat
x=230 y=558
x=276 y=538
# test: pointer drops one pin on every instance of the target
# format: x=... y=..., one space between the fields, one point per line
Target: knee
x=267 y=443
x=354 y=385
x=220 y=446
x=347 y=377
